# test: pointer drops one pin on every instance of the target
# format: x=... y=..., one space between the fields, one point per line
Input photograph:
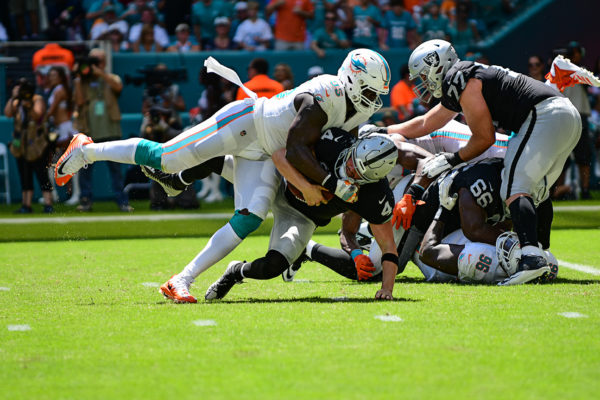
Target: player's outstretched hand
x=439 y=163
x=364 y=267
x=384 y=294
x=404 y=210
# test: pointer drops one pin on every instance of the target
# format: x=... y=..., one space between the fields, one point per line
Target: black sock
x=335 y=259
x=524 y=220
x=203 y=170
x=267 y=267
x=545 y=214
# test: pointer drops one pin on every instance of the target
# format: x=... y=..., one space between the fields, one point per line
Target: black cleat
x=223 y=285
x=290 y=272
x=532 y=269
x=169 y=182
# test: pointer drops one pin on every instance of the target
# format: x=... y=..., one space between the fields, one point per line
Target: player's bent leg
x=267 y=267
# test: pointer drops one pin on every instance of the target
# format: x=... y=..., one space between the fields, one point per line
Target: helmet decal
x=432 y=59
x=357 y=65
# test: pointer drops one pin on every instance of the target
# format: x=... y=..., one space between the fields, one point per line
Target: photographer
x=162 y=92
x=30 y=143
x=96 y=96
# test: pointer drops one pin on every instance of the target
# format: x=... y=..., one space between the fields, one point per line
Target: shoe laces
x=181 y=286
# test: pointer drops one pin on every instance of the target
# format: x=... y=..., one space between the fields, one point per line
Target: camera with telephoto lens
x=26 y=90
x=84 y=66
x=156 y=81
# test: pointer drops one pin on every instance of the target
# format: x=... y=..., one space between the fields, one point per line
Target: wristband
x=355 y=253
x=416 y=191
x=391 y=257
x=455 y=159
x=330 y=183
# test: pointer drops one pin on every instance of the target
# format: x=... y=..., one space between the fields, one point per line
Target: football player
x=365 y=162
x=546 y=124
x=251 y=130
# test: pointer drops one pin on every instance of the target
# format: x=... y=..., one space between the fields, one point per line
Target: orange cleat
x=72 y=160
x=177 y=289
x=564 y=73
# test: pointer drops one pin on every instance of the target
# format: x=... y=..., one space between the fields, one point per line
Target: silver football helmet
x=365 y=75
x=369 y=159
x=508 y=251
x=428 y=65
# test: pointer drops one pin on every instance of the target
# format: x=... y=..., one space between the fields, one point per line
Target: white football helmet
x=428 y=65
x=369 y=159
x=508 y=251
x=365 y=75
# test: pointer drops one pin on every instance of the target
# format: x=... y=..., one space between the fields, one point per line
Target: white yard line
x=577 y=208
x=579 y=267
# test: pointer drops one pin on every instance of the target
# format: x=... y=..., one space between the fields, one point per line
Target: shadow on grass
x=313 y=299
x=575 y=281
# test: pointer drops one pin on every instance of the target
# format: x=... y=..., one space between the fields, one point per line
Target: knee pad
x=149 y=153
x=244 y=223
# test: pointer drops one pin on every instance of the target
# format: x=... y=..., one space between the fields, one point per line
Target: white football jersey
x=478 y=263
x=273 y=117
x=454 y=136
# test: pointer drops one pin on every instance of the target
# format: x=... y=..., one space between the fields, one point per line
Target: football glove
x=404 y=210
x=364 y=267
x=343 y=189
x=440 y=162
x=446 y=200
x=367 y=129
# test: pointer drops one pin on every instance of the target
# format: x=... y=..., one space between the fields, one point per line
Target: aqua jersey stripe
x=462 y=136
x=211 y=129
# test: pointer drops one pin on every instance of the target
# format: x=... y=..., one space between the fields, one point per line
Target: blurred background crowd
x=73 y=89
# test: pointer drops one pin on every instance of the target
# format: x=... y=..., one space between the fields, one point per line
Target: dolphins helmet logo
x=358 y=64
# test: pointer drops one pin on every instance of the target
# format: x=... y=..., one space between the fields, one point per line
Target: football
x=327 y=195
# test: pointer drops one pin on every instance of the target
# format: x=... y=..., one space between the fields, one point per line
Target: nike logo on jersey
x=326 y=93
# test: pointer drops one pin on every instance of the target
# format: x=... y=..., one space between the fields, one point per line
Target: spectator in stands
x=223 y=39
x=402 y=95
x=343 y=11
x=259 y=82
x=29 y=144
x=401 y=29
x=161 y=37
x=146 y=42
x=18 y=9
x=99 y=116
x=254 y=33
x=434 y=25
x=183 y=44
x=290 y=23
x=329 y=36
x=116 y=36
x=367 y=19
x=204 y=13
x=3 y=34
x=132 y=15
x=97 y=10
x=240 y=15
x=464 y=30
x=536 y=67
x=448 y=8
x=284 y=75
x=583 y=150
x=101 y=25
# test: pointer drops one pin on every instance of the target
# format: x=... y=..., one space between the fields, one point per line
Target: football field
x=82 y=319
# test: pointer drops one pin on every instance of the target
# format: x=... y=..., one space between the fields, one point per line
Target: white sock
x=220 y=245
x=121 y=151
x=309 y=247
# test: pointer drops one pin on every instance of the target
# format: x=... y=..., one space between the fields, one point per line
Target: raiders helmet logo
x=432 y=59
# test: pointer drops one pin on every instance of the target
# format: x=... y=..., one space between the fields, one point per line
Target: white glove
x=439 y=163
x=367 y=129
x=446 y=200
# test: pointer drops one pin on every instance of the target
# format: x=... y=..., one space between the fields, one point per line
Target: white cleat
x=564 y=73
x=525 y=276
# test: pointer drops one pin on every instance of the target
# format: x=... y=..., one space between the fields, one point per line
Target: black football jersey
x=510 y=96
x=375 y=200
x=483 y=179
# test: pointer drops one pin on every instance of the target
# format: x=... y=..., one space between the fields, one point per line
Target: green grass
x=98 y=333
